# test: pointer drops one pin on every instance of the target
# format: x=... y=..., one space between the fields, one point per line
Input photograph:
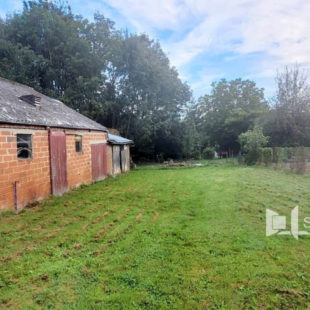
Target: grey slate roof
x=113 y=139
x=50 y=112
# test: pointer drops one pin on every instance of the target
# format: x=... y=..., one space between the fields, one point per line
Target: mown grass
x=180 y=238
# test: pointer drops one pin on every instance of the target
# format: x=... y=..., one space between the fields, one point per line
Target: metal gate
x=99 y=161
x=58 y=156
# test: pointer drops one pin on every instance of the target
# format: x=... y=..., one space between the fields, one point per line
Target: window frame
x=30 y=148
x=78 y=139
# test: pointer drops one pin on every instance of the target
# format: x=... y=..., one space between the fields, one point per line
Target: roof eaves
x=22 y=123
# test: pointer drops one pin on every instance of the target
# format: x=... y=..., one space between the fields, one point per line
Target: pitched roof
x=49 y=112
x=113 y=139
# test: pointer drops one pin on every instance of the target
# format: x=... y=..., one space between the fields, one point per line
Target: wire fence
x=293 y=159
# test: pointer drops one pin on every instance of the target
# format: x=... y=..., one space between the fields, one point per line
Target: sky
x=207 y=40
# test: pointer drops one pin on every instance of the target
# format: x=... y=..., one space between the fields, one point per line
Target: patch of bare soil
x=138 y=217
x=156 y=215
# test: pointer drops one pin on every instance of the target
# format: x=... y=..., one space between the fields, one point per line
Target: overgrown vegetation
x=251 y=143
x=235 y=107
x=231 y=109
x=293 y=159
x=188 y=238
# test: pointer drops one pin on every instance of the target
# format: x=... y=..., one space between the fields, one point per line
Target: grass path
x=188 y=238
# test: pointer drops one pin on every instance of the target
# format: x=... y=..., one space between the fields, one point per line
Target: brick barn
x=47 y=148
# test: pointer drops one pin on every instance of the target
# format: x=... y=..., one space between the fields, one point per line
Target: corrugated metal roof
x=50 y=112
x=118 y=140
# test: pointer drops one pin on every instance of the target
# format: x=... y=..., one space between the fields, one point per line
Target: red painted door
x=58 y=155
x=99 y=161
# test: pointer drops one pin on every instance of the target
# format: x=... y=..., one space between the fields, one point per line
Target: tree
x=288 y=124
x=251 y=143
x=121 y=80
x=151 y=97
x=230 y=109
x=192 y=140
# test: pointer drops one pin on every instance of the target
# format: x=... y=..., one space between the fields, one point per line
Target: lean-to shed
x=119 y=152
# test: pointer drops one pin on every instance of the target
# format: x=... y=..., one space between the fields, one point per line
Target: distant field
x=179 y=238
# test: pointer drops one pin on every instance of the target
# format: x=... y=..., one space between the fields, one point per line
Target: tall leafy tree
x=288 y=124
x=121 y=80
x=232 y=108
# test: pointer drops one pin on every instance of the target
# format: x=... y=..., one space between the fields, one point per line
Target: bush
x=300 y=160
x=290 y=153
x=251 y=143
x=283 y=155
x=276 y=154
x=252 y=156
x=267 y=155
x=208 y=152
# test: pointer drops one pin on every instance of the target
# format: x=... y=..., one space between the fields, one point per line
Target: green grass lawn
x=180 y=238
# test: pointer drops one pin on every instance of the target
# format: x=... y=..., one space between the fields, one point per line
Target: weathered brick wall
x=32 y=175
x=79 y=164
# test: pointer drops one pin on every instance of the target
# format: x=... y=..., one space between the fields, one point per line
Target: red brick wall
x=79 y=164
x=33 y=175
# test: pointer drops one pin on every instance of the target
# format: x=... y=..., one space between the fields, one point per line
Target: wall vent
x=31 y=99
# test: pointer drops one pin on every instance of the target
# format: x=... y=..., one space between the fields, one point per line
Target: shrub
x=267 y=155
x=252 y=156
x=300 y=160
x=276 y=154
x=251 y=143
x=208 y=152
x=290 y=153
x=283 y=155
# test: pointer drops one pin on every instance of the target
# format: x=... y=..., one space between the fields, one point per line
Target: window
x=24 y=146
x=78 y=144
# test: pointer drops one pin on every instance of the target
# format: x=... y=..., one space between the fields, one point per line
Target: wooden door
x=123 y=158
x=99 y=161
x=58 y=157
x=116 y=160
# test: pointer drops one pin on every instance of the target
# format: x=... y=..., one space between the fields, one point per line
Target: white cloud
x=279 y=28
x=160 y=14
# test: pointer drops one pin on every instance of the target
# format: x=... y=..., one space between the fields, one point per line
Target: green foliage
x=251 y=143
x=121 y=80
x=277 y=154
x=192 y=142
x=288 y=123
x=231 y=109
x=208 y=152
x=267 y=155
x=299 y=162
